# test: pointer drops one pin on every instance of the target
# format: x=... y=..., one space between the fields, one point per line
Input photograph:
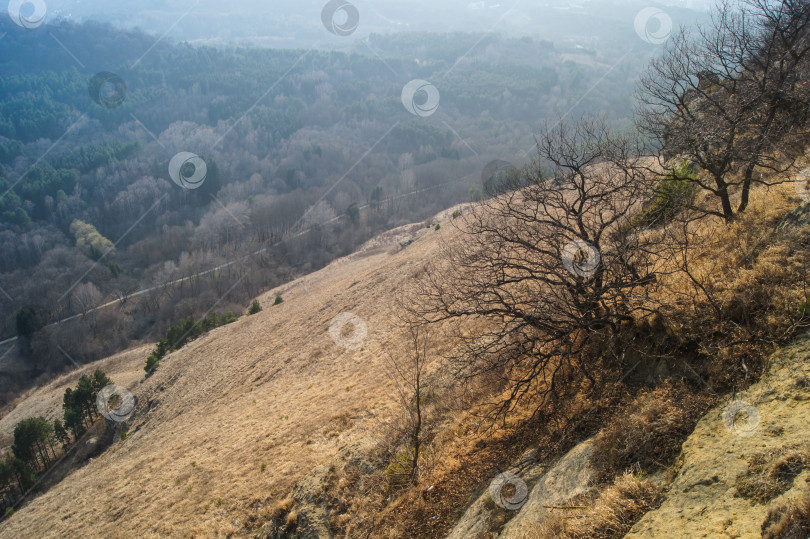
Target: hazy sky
x=296 y=23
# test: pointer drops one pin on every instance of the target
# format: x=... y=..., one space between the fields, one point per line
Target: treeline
x=36 y=441
x=185 y=331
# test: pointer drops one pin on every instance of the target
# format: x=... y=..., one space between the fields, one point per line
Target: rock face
x=569 y=477
x=548 y=486
x=702 y=500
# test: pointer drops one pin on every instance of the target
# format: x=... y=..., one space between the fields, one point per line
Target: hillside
x=706 y=498
x=234 y=423
x=271 y=389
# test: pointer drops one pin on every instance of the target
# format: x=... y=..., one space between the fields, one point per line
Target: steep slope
x=705 y=500
x=125 y=369
x=710 y=494
x=272 y=389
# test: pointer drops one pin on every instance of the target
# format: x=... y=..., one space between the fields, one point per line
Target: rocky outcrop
x=548 y=486
x=771 y=415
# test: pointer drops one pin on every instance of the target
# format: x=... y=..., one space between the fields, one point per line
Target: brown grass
x=611 y=513
x=270 y=388
x=755 y=271
x=125 y=369
x=771 y=473
x=273 y=388
x=789 y=520
x=649 y=432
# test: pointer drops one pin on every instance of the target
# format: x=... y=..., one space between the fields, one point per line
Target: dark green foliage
x=40 y=182
x=10 y=149
x=255 y=307
x=32 y=439
x=675 y=192
x=183 y=332
x=91 y=157
x=61 y=434
x=278 y=300
x=15 y=478
x=98 y=173
x=29 y=321
x=79 y=404
x=414 y=133
x=353 y=213
x=151 y=363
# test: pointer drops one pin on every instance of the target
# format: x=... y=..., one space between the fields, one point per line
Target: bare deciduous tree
x=408 y=375
x=549 y=272
x=731 y=98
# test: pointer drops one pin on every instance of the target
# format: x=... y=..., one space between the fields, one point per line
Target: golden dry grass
x=648 y=434
x=609 y=514
x=274 y=389
x=771 y=473
x=271 y=388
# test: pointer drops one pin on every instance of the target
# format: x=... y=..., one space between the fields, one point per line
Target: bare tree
x=87 y=297
x=731 y=98
x=549 y=272
x=408 y=375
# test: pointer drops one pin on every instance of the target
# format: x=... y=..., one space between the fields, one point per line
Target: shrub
x=255 y=307
x=10 y=511
x=151 y=363
x=185 y=331
x=456 y=214
x=279 y=299
x=770 y=474
x=437 y=227
x=676 y=190
x=28 y=321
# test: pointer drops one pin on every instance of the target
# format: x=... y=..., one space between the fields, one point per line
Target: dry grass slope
x=272 y=388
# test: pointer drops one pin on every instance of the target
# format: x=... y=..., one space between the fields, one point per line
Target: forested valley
x=303 y=155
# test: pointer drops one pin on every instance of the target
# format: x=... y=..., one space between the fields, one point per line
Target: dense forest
x=299 y=157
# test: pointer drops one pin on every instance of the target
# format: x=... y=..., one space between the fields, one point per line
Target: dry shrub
x=610 y=514
x=771 y=473
x=790 y=520
x=649 y=432
x=282 y=520
x=746 y=291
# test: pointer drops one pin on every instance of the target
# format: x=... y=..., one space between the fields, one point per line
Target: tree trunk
x=417 y=428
